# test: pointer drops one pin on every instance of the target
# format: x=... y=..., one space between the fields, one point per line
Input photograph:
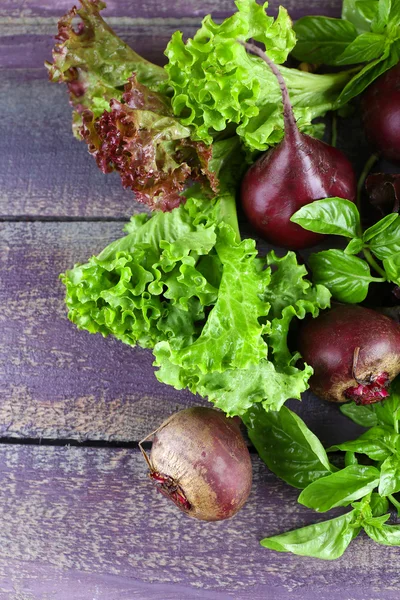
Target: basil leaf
x=368 y=9
x=346 y=277
x=354 y=246
x=368 y=444
x=387 y=243
x=331 y=216
x=382 y=18
x=362 y=415
x=368 y=74
x=388 y=411
x=351 y=12
x=390 y=476
x=287 y=446
x=392 y=268
x=340 y=488
x=379 y=227
x=379 y=506
x=366 y=47
x=387 y=535
x=327 y=540
x=322 y=39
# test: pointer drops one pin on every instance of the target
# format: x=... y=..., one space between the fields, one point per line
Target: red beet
x=381 y=114
x=354 y=351
x=200 y=461
x=296 y=172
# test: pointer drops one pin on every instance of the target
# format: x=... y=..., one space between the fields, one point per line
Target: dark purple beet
x=383 y=190
x=200 y=461
x=381 y=114
x=354 y=351
x=297 y=171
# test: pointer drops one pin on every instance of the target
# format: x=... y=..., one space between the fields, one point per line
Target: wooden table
x=79 y=520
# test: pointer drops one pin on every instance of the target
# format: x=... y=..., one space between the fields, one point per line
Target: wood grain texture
x=27 y=28
x=12 y=9
x=58 y=382
x=86 y=523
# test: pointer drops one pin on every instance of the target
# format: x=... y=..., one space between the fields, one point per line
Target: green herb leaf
x=362 y=415
x=392 y=268
x=370 y=443
x=390 y=476
x=366 y=47
x=327 y=540
x=388 y=411
x=287 y=446
x=387 y=535
x=330 y=216
x=387 y=243
x=379 y=505
x=368 y=9
x=379 y=227
x=352 y=10
x=354 y=246
x=322 y=39
x=382 y=17
x=347 y=277
x=369 y=73
x=340 y=488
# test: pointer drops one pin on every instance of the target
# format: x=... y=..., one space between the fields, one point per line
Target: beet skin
x=354 y=351
x=296 y=172
x=200 y=460
x=381 y=114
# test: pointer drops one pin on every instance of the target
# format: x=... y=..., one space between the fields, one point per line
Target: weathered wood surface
x=27 y=28
x=151 y=9
x=80 y=523
x=58 y=382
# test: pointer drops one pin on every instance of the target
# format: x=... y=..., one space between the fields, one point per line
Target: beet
x=297 y=171
x=354 y=351
x=200 y=461
x=381 y=114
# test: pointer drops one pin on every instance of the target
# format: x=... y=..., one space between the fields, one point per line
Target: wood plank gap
x=81 y=444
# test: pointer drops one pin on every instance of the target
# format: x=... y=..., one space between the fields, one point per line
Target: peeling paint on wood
x=91 y=516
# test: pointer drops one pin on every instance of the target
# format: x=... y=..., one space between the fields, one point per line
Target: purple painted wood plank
x=163 y=8
x=90 y=516
x=26 y=37
x=56 y=381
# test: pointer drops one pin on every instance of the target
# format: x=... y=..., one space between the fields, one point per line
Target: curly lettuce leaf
x=95 y=63
x=149 y=148
x=148 y=286
x=215 y=82
x=241 y=356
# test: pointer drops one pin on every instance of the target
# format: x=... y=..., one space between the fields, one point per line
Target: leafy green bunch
x=216 y=84
x=368 y=34
x=216 y=315
x=367 y=482
x=345 y=274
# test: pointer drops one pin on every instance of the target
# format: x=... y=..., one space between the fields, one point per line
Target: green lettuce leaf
x=215 y=82
x=182 y=283
x=241 y=357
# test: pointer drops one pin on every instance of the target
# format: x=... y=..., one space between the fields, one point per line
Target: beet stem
x=334 y=130
x=291 y=128
x=367 y=168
